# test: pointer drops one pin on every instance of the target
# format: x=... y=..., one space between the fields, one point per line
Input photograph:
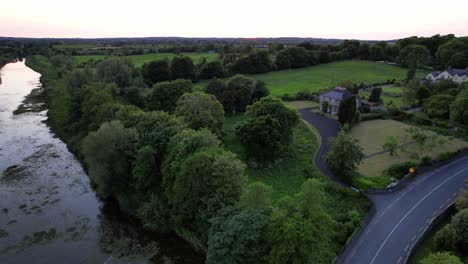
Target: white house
x=455 y=75
x=334 y=99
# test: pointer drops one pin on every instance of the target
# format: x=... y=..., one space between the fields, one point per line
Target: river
x=48 y=211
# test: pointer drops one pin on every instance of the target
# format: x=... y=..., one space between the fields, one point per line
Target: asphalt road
x=401 y=217
x=327 y=129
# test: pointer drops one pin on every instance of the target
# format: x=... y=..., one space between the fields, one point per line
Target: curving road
x=401 y=217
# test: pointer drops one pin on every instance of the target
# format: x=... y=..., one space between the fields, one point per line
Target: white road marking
x=414 y=207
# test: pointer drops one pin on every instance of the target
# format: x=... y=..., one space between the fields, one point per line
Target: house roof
x=458 y=72
x=339 y=93
x=435 y=73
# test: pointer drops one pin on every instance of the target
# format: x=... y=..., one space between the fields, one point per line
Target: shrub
x=444 y=156
x=372 y=116
x=460 y=227
x=399 y=170
x=444 y=239
x=426 y=160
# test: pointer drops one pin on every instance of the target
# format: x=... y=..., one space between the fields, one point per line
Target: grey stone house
x=334 y=99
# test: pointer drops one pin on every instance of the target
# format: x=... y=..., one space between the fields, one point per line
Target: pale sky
x=359 y=19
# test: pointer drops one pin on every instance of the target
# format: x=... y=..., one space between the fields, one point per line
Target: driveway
x=327 y=128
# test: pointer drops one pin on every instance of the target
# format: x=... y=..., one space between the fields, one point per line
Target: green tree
x=144 y=169
x=97 y=105
x=261 y=138
x=376 y=53
x=156 y=71
x=347 y=111
x=438 y=106
x=414 y=92
x=261 y=90
x=201 y=110
x=238 y=93
x=206 y=181
x=294 y=57
x=213 y=69
x=459 y=108
x=414 y=56
x=376 y=92
x=74 y=82
x=216 y=87
x=268 y=130
x=254 y=62
x=300 y=231
x=164 y=95
x=116 y=70
x=458 y=60
x=447 y=50
x=444 y=239
x=182 y=67
x=391 y=145
x=107 y=153
x=462 y=201
x=238 y=237
x=344 y=156
x=441 y=258
x=272 y=106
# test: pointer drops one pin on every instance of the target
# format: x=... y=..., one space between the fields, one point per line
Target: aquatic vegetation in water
x=3 y=233
x=14 y=173
x=41 y=237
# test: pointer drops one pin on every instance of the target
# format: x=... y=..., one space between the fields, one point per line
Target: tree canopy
x=344 y=156
x=201 y=110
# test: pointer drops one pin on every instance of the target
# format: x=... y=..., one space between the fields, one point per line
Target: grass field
x=397 y=101
x=372 y=135
x=302 y=104
x=398 y=90
x=324 y=76
x=139 y=60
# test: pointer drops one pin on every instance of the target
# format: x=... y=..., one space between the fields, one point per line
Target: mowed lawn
x=397 y=99
x=372 y=135
x=302 y=104
x=325 y=76
x=139 y=60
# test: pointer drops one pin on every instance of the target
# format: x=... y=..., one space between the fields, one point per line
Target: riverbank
x=49 y=209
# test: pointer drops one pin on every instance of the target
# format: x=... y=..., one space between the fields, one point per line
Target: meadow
x=325 y=76
x=139 y=60
x=372 y=135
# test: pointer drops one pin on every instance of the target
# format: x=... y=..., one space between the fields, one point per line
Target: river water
x=48 y=211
